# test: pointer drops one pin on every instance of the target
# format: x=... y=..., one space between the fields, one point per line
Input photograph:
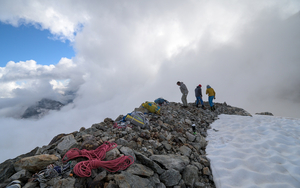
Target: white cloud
x=24 y=83
x=62 y=19
x=130 y=52
x=60 y=85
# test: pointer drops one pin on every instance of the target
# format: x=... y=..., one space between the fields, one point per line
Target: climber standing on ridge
x=198 y=94
x=211 y=95
x=184 y=92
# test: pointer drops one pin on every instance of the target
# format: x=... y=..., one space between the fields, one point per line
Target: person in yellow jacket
x=211 y=96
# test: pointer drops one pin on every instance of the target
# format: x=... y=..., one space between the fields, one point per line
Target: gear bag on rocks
x=161 y=101
x=137 y=118
x=151 y=107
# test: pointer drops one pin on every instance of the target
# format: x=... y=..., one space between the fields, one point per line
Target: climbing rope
x=98 y=153
x=84 y=168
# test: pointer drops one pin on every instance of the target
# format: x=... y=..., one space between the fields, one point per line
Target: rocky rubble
x=166 y=154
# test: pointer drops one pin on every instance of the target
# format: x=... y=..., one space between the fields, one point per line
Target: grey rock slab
x=65 y=183
x=170 y=177
x=22 y=175
x=186 y=151
x=67 y=143
x=112 y=154
x=182 y=139
x=176 y=162
x=128 y=180
x=155 y=178
x=188 y=121
x=122 y=142
x=139 y=169
x=149 y=163
x=166 y=145
x=190 y=175
x=190 y=137
x=201 y=140
x=198 y=165
x=7 y=169
x=128 y=152
x=100 y=176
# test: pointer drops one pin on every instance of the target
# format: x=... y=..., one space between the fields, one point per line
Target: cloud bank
x=130 y=52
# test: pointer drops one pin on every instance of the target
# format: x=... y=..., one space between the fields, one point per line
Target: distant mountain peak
x=41 y=108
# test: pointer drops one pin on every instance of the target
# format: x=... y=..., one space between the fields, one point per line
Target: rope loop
x=84 y=168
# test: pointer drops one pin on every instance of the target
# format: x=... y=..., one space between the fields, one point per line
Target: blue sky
x=29 y=43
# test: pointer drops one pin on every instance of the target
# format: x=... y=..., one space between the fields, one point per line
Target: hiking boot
x=203 y=107
x=14 y=184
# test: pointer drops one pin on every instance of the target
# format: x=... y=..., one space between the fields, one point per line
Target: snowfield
x=259 y=151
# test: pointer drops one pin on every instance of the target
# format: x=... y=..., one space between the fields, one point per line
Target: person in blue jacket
x=211 y=96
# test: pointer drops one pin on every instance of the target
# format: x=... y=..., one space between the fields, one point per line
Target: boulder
x=148 y=162
x=190 y=175
x=112 y=154
x=35 y=163
x=127 y=180
x=176 y=162
x=65 y=183
x=206 y=171
x=7 y=169
x=170 y=177
x=128 y=152
x=140 y=170
x=22 y=175
x=66 y=144
x=190 y=137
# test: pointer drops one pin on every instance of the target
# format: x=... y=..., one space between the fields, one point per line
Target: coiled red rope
x=84 y=168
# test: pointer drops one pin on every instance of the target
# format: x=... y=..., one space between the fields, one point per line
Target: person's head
x=208 y=86
x=200 y=85
x=178 y=83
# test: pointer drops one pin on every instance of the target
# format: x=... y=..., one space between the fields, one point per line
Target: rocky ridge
x=166 y=154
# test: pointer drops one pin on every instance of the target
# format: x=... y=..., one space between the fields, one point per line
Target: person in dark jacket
x=198 y=94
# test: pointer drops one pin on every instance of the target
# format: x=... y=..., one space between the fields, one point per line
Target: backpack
x=137 y=118
x=161 y=101
x=152 y=107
